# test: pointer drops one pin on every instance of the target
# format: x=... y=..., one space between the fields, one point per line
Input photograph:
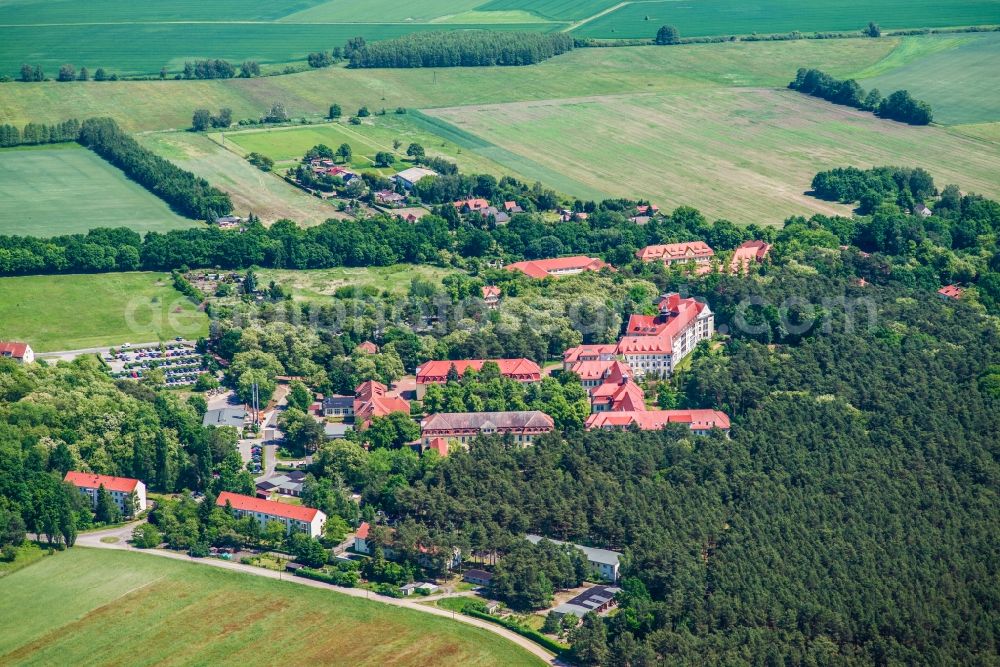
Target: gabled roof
x=653 y=420
x=367 y=347
x=675 y=251
x=463 y=421
x=491 y=291
x=748 y=251
x=89 y=480
x=12 y=349
x=414 y=174
x=601 y=369
x=472 y=204
x=595 y=351
x=439 y=445
x=624 y=396
x=649 y=334
x=951 y=291
x=251 y=504
x=433 y=371
x=362 y=531
x=372 y=399
x=539 y=268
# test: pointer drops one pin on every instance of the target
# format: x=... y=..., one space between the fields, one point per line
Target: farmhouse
x=119 y=488
x=410 y=177
x=604 y=562
x=701 y=422
x=491 y=295
x=597 y=600
x=294 y=517
x=674 y=253
x=471 y=205
x=656 y=344
x=560 y=266
x=463 y=427
x=436 y=372
x=951 y=292
x=337 y=406
x=747 y=253
x=512 y=207
x=19 y=352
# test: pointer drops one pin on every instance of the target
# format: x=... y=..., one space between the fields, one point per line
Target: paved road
x=123 y=533
x=69 y=355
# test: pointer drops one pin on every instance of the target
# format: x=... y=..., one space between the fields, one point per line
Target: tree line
x=186 y=193
x=472 y=48
x=39 y=133
x=898 y=106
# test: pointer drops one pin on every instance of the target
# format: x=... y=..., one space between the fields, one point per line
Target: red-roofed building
x=472 y=205
x=559 y=266
x=365 y=543
x=650 y=209
x=673 y=253
x=512 y=207
x=367 y=347
x=593 y=352
x=19 y=352
x=748 y=253
x=523 y=426
x=119 y=488
x=621 y=396
x=436 y=372
x=701 y=422
x=373 y=399
x=951 y=292
x=594 y=373
x=294 y=517
x=491 y=295
x=439 y=445
x=656 y=344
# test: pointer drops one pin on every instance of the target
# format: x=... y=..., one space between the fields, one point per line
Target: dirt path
x=122 y=533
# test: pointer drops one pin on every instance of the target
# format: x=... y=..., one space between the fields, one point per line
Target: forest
x=898 y=106
x=465 y=48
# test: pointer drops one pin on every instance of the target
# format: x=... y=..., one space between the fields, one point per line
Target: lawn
x=107 y=607
x=67 y=189
x=377 y=133
x=744 y=154
x=67 y=312
x=738 y=17
x=267 y=195
x=958 y=76
x=321 y=283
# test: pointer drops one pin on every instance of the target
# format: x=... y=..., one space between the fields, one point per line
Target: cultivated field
x=737 y=17
x=66 y=189
x=102 y=607
x=68 y=312
x=958 y=75
x=252 y=190
x=320 y=283
x=744 y=154
x=157 y=105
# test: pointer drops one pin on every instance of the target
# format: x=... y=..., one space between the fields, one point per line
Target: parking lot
x=180 y=363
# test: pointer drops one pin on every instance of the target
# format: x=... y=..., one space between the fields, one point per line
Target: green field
x=959 y=76
x=744 y=154
x=267 y=195
x=157 y=105
x=89 y=606
x=557 y=10
x=69 y=312
x=66 y=189
x=737 y=17
x=321 y=283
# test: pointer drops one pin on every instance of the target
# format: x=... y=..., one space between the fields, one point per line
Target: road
x=123 y=533
x=70 y=355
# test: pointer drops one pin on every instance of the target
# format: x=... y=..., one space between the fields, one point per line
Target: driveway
x=93 y=540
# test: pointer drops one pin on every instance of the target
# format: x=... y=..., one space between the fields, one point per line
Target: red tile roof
x=439 y=445
x=362 y=531
x=251 y=504
x=12 y=349
x=539 y=268
x=675 y=251
x=591 y=352
x=368 y=347
x=372 y=399
x=747 y=252
x=620 y=396
x=649 y=334
x=89 y=480
x=491 y=291
x=499 y=422
x=522 y=369
x=653 y=420
x=600 y=369
x=472 y=204
x=951 y=291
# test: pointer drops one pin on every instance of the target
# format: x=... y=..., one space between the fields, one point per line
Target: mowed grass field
x=69 y=312
x=958 y=75
x=287 y=145
x=267 y=195
x=320 y=283
x=107 y=607
x=66 y=189
x=737 y=17
x=744 y=154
